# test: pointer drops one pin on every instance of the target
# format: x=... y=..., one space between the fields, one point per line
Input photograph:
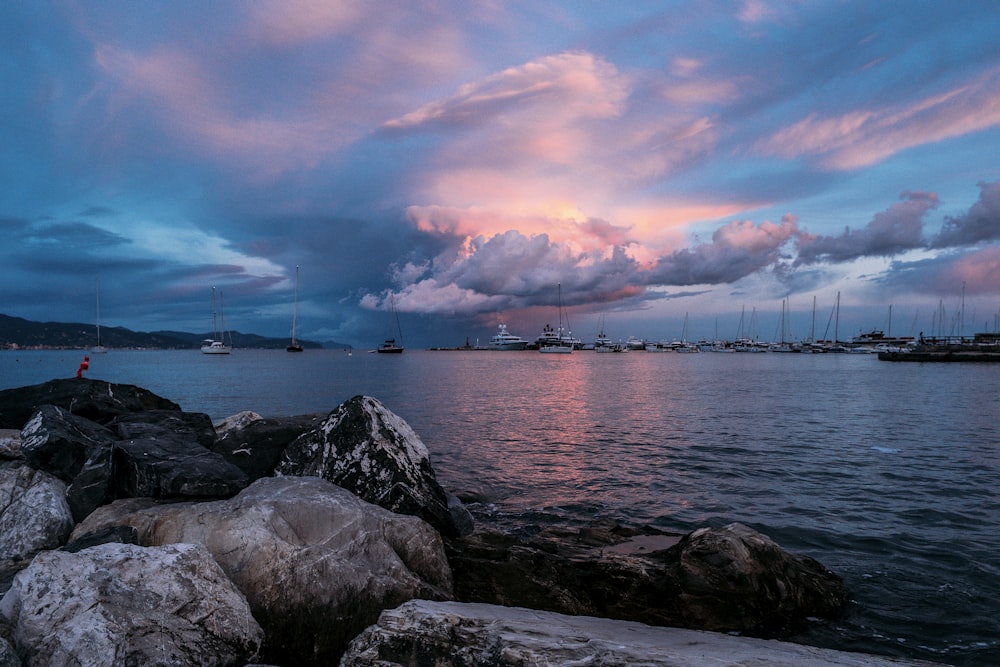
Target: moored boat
x=504 y=340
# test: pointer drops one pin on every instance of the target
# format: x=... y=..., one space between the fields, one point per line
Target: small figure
x=84 y=365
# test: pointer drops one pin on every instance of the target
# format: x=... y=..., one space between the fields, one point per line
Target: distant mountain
x=22 y=333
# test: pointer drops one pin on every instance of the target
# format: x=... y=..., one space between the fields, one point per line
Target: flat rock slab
x=455 y=633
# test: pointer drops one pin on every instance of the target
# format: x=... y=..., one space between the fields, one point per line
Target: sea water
x=886 y=473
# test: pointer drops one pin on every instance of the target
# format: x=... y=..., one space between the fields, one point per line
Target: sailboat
x=559 y=345
x=390 y=346
x=215 y=344
x=98 y=349
x=295 y=347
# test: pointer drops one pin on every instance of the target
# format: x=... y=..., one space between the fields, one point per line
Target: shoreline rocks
x=324 y=522
x=421 y=632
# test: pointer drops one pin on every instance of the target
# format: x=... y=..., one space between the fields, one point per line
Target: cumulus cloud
x=895 y=230
x=737 y=250
x=980 y=223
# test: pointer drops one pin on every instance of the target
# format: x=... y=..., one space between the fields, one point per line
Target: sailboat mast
x=295 y=305
x=836 y=322
x=97 y=286
x=215 y=326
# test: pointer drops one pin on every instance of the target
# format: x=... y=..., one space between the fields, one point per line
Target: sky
x=646 y=163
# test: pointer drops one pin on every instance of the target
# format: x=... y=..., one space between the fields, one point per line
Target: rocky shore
x=134 y=533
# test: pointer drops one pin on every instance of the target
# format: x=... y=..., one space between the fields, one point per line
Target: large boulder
x=155 y=453
x=155 y=423
x=366 y=448
x=423 y=632
x=316 y=563
x=96 y=400
x=255 y=444
x=59 y=442
x=34 y=515
x=731 y=579
x=118 y=604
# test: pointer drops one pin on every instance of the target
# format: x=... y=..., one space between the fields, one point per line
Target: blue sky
x=655 y=159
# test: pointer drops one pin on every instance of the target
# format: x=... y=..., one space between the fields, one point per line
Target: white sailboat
x=390 y=345
x=98 y=349
x=216 y=344
x=294 y=346
x=559 y=345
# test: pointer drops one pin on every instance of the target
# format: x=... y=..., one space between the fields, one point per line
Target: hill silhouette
x=17 y=332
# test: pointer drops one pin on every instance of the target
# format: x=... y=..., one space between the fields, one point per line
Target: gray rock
x=33 y=512
x=317 y=564
x=95 y=400
x=10 y=444
x=8 y=656
x=422 y=632
x=118 y=604
x=369 y=450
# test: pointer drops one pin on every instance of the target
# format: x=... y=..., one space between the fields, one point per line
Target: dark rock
x=155 y=423
x=255 y=444
x=59 y=442
x=95 y=400
x=732 y=579
x=170 y=467
x=167 y=461
x=364 y=447
x=110 y=535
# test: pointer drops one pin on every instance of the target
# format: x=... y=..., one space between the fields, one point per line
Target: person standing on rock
x=84 y=365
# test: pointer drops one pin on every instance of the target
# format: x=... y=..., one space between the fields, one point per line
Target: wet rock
x=95 y=400
x=128 y=605
x=731 y=579
x=366 y=448
x=316 y=563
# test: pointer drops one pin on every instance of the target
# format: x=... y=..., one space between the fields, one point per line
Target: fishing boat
x=294 y=346
x=390 y=346
x=505 y=340
x=556 y=341
x=216 y=344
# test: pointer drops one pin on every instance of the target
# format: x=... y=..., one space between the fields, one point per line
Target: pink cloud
x=979 y=271
x=865 y=137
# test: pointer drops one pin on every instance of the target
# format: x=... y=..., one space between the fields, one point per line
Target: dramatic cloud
x=467 y=158
x=737 y=250
x=981 y=223
x=893 y=231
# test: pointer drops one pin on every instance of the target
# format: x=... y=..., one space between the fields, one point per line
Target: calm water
x=886 y=473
